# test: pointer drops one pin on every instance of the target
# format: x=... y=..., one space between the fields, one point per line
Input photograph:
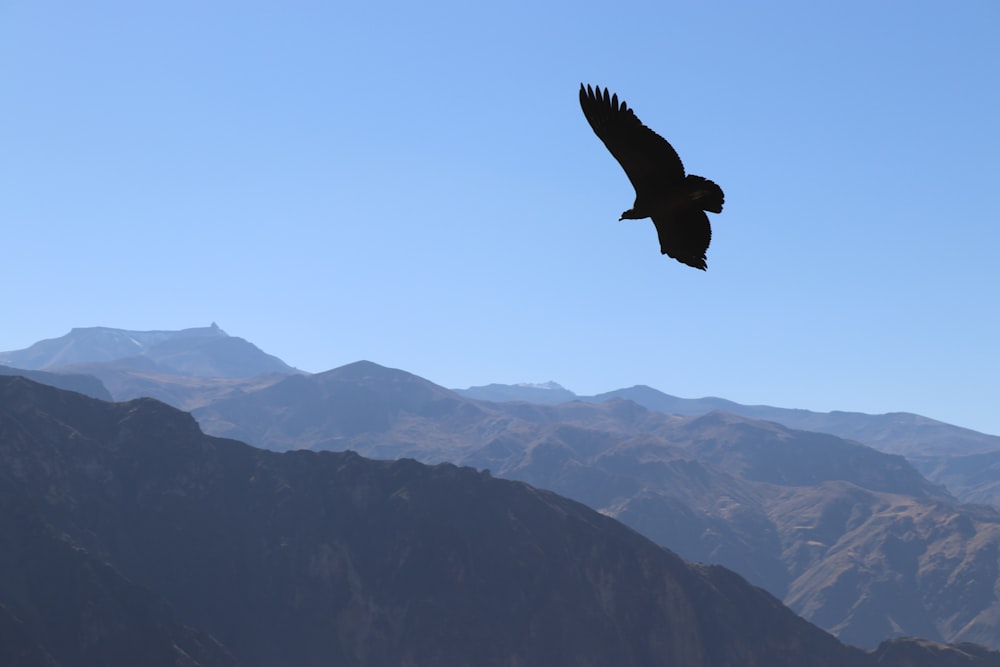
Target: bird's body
x=675 y=202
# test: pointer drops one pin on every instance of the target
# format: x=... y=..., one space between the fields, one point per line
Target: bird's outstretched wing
x=647 y=158
x=685 y=236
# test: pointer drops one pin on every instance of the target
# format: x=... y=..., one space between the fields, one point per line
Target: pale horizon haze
x=414 y=184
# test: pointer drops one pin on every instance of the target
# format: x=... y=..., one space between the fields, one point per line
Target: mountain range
x=896 y=432
x=130 y=537
x=196 y=352
x=856 y=540
x=966 y=461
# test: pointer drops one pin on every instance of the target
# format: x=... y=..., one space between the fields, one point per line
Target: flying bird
x=676 y=203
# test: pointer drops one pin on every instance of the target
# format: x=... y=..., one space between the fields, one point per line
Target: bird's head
x=630 y=214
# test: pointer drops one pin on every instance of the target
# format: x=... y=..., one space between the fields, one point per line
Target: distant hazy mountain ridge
x=897 y=432
x=547 y=392
x=204 y=351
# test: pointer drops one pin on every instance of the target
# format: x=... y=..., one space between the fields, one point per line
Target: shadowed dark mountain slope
x=61 y=605
x=313 y=558
x=910 y=653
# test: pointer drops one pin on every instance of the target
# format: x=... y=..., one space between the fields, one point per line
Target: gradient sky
x=414 y=184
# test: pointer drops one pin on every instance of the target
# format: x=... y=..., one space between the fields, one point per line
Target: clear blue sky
x=413 y=183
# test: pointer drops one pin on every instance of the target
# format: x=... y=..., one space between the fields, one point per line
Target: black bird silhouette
x=676 y=203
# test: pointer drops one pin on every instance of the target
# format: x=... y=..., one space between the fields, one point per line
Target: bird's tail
x=705 y=193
